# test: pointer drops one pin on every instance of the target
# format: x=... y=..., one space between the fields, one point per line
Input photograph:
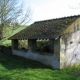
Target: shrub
x=43 y=45
x=23 y=44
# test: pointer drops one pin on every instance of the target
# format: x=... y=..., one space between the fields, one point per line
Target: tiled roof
x=47 y=29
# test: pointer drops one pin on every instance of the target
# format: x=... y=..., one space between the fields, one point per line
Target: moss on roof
x=47 y=29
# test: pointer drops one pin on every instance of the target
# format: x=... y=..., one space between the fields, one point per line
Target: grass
x=8 y=33
x=17 y=68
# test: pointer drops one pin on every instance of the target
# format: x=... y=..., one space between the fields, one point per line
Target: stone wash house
x=64 y=37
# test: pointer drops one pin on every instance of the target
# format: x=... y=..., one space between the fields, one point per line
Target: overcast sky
x=50 y=9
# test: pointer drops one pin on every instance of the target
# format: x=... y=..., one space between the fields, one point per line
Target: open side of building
x=64 y=38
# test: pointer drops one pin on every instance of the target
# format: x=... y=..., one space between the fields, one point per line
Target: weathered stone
x=57 y=46
x=15 y=44
x=51 y=45
x=32 y=45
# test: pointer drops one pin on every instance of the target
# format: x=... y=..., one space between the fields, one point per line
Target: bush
x=23 y=44
x=43 y=45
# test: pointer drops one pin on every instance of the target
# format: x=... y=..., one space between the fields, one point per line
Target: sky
x=50 y=9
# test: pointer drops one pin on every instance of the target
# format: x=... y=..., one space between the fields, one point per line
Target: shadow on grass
x=5 y=78
x=13 y=67
x=10 y=61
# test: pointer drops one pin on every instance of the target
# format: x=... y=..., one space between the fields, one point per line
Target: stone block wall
x=52 y=60
x=70 y=47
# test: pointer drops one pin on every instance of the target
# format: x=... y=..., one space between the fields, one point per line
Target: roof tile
x=47 y=29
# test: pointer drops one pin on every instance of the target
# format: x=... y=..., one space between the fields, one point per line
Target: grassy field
x=9 y=32
x=17 y=68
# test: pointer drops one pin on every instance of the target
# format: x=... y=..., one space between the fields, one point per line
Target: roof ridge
x=58 y=18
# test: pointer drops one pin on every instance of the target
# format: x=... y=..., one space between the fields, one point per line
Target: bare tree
x=12 y=11
x=75 y=5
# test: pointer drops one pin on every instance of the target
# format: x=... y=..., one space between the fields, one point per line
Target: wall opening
x=44 y=45
x=41 y=45
x=23 y=45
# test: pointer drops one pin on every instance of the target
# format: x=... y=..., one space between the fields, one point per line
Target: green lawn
x=8 y=32
x=17 y=68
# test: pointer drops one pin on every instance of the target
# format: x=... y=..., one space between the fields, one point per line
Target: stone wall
x=49 y=60
x=15 y=44
x=66 y=49
x=52 y=60
x=32 y=45
x=70 y=47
